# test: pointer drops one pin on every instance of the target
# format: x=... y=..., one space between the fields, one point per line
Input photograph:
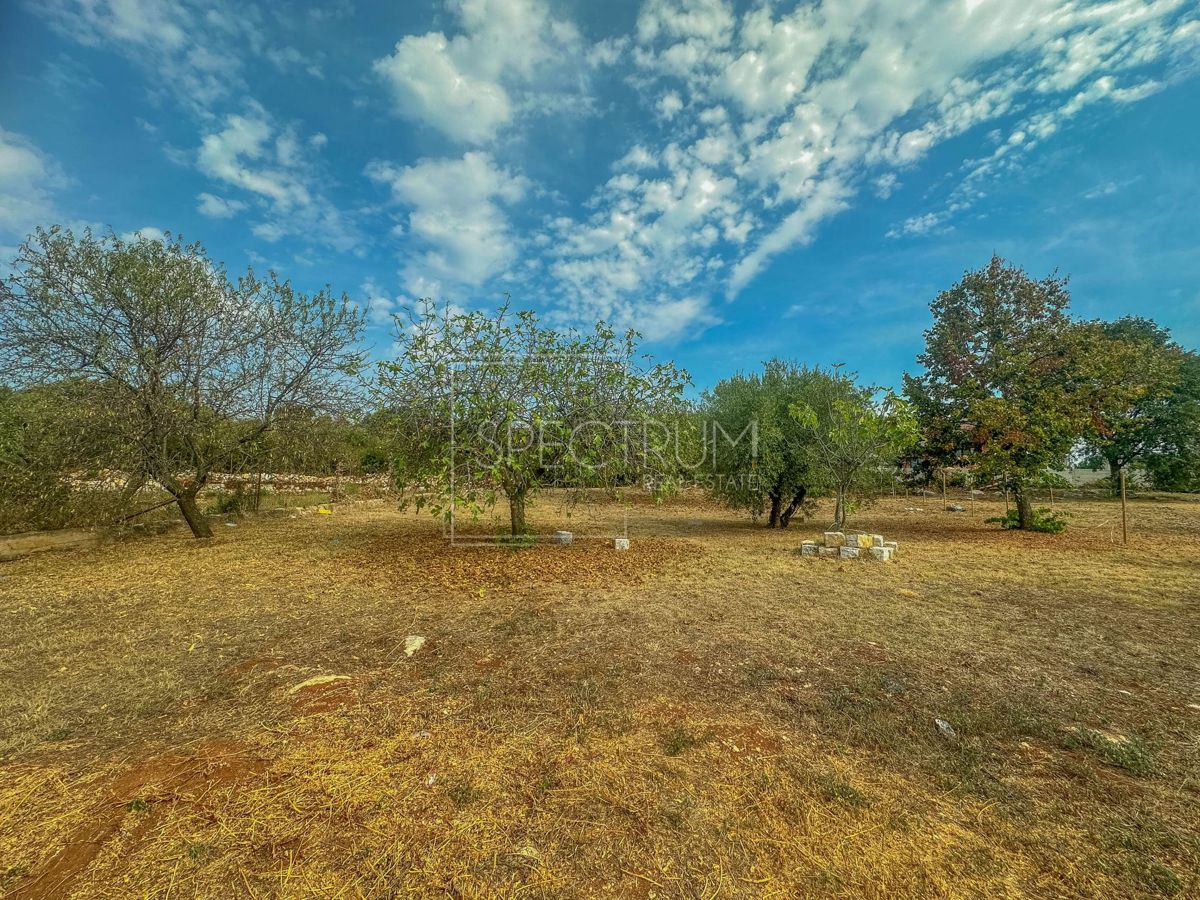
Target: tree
x=850 y=434
x=187 y=367
x=488 y=404
x=758 y=449
x=1160 y=429
x=1011 y=383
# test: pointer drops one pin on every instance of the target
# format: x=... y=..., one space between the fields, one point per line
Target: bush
x=1045 y=520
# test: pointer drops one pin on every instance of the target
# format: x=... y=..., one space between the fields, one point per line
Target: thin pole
x=944 y=504
x=1124 y=516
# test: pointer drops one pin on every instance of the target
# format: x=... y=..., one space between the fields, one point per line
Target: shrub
x=1045 y=520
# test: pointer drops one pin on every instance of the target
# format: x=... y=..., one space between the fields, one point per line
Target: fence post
x=1124 y=516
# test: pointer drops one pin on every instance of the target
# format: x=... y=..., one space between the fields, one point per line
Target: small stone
x=883 y=554
x=945 y=729
x=835 y=539
x=809 y=548
x=620 y=543
x=413 y=643
x=955 y=507
x=848 y=552
x=563 y=537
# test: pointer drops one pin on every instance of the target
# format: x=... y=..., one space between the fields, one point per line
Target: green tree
x=758 y=450
x=185 y=368
x=1012 y=384
x=1160 y=429
x=851 y=435
x=497 y=404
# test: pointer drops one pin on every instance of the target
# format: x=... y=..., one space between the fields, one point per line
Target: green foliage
x=759 y=451
x=851 y=434
x=1011 y=383
x=497 y=404
x=1044 y=520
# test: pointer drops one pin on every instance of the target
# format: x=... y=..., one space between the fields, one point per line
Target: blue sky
x=736 y=181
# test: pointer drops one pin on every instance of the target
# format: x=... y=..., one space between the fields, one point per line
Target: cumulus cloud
x=470 y=85
x=456 y=216
x=28 y=180
x=274 y=165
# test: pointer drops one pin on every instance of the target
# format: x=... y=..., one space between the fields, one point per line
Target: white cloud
x=470 y=85
x=149 y=233
x=28 y=180
x=250 y=151
x=218 y=207
x=456 y=215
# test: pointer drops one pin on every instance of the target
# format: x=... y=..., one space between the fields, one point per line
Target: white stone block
x=877 y=540
x=809 y=548
x=835 y=539
x=563 y=537
x=827 y=552
x=848 y=553
x=883 y=554
x=892 y=545
x=621 y=543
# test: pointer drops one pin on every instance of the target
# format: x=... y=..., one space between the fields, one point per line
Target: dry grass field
x=708 y=715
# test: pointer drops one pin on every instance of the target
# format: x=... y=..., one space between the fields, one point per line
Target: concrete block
x=848 y=553
x=877 y=540
x=892 y=545
x=620 y=543
x=863 y=542
x=563 y=537
x=828 y=552
x=809 y=548
x=835 y=539
x=883 y=554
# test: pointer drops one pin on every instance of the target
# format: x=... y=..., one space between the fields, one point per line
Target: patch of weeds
x=1157 y=877
x=198 y=852
x=137 y=804
x=1128 y=754
x=462 y=793
x=1045 y=520
x=15 y=873
x=677 y=740
x=834 y=789
x=760 y=676
x=58 y=734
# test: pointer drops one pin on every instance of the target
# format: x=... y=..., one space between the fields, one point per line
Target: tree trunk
x=516 y=512
x=1114 y=474
x=776 y=501
x=1024 y=506
x=839 y=511
x=196 y=520
x=786 y=516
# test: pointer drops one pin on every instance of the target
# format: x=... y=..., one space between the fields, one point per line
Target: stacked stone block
x=851 y=545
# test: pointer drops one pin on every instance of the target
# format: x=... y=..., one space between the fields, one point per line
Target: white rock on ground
x=848 y=552
x=563 y=537
x=620 y=543
x=413 y=643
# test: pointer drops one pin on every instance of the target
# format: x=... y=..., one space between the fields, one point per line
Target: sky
x=736 y=181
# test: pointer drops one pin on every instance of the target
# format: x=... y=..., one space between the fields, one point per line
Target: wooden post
x=944 y=504
x=1124 y=516
x=1052 y=496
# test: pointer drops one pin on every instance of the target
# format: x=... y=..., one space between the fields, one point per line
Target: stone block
x=835 y=539
x=878 y=541
x=848 y=552
x=620 y=543
x=809 y=548
x=563 y=537
x=828 y=552
x=863 y=542
x=892 y=545
x=883 y=554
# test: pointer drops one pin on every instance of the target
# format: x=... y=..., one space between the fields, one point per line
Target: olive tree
x=187 y=367
x=490 y=404
x=758 y=449
x=851 y=432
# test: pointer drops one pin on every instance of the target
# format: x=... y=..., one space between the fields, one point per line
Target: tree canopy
x=186 y=367
x=489 y=404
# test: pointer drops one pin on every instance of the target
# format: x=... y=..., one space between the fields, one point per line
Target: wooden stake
x=1124 y=516
x=944 y=504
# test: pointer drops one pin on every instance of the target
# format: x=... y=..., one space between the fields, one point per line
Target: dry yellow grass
x=708 y=715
